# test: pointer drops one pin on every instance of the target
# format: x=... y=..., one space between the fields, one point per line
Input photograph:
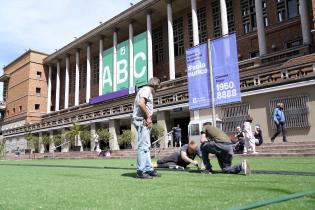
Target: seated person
x=179 y=160
x=238 y=141
x=215 y=141
x=258 y=135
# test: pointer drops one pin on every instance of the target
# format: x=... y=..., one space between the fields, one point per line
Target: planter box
x=77 y=148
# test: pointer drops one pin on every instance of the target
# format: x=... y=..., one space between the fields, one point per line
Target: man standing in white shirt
x=141 y=118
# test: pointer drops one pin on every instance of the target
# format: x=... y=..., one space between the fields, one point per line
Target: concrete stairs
x=278 y=149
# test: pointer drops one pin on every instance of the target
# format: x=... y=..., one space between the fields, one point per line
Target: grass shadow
x=130 y=175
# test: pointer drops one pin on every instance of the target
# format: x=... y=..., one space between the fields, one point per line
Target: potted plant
x=124 y=140
x=104 y=135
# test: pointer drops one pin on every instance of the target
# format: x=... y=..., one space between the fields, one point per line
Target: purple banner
x=198 y=76
x=112 y=95
x=225 y=70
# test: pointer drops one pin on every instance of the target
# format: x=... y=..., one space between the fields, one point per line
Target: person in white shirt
x=250 y=141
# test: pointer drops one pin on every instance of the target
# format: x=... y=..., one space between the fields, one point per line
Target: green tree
x=31 y=139
x=124 y=140
x=157 y=131
x=104 y=135
x=46 y=141
x=58 y=139
x=85 y=138
x=74 y=133
x=2 y=148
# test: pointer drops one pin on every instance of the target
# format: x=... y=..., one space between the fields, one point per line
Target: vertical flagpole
x=211 y=86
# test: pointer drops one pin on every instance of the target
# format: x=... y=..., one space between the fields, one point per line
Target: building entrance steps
x=291 y=149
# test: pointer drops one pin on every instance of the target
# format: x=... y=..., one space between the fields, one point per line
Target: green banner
x=140 y=54
x=107 y=71
x=122 y=65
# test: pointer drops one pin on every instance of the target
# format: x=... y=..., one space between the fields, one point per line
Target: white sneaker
x=245 y=168
x=255 y=153
x=180 y=168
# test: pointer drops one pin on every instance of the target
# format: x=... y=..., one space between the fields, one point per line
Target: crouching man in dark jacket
x=215 y=141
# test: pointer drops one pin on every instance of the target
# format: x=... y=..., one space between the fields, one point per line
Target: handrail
x=53 y=149
x=159 y=139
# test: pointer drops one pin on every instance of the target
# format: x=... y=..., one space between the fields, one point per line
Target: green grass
x=23 y=186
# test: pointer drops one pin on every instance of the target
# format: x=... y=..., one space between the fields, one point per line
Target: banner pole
x=211 y=85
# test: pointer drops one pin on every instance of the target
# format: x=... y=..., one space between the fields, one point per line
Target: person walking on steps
x=279 y=119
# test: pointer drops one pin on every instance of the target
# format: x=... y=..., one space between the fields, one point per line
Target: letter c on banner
x=142 y=56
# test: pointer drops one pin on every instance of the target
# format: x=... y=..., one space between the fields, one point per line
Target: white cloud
x=48 y=25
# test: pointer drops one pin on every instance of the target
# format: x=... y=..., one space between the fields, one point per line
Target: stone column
x=260 y=28
x=67 y=83
x=77 y=77
x=131 y=62
x=100 y=68
x=65 y=147
x=115 y=60
x=305 y=22
x=150 y=51
x=41 y=148
x=57 y=87
x=194 y=22
x=224 y=20
x=114 y=131
x=49 y=89
x=88 y=73
x=171 y=56
x=51 y=141
x=163 y=120
x=93 y=131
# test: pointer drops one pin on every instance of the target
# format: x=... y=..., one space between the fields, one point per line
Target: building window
x=82 y=76
x=95 y=69
x=217 y=17
x=296 y=110
x=72 y=79
x=38 y=74
x=233 y=116
x=158 y=53
x=287 y=9
x=20 y=108
x=254 y=54
x=202 y=26
x=13 y=110
x=249 y=15
x=37 y=106
x=178 y=36
x=294 y=43
x=38 y=91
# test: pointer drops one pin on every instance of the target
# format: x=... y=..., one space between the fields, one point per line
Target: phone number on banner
x=226 y=90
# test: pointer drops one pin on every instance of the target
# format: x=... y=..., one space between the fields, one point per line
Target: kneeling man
x=215 y=141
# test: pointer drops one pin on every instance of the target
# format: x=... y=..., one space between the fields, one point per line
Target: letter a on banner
x=107 y=71
x=198 y=77
x=225 y=69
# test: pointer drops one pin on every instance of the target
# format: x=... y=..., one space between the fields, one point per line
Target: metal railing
x=54 y=148
x=169 y=137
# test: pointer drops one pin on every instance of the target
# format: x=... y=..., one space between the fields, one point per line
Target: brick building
x=275 y=50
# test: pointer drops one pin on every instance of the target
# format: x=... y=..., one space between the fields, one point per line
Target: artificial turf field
x=111 y=184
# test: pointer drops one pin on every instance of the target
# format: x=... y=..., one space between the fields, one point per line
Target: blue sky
x=48 y=25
